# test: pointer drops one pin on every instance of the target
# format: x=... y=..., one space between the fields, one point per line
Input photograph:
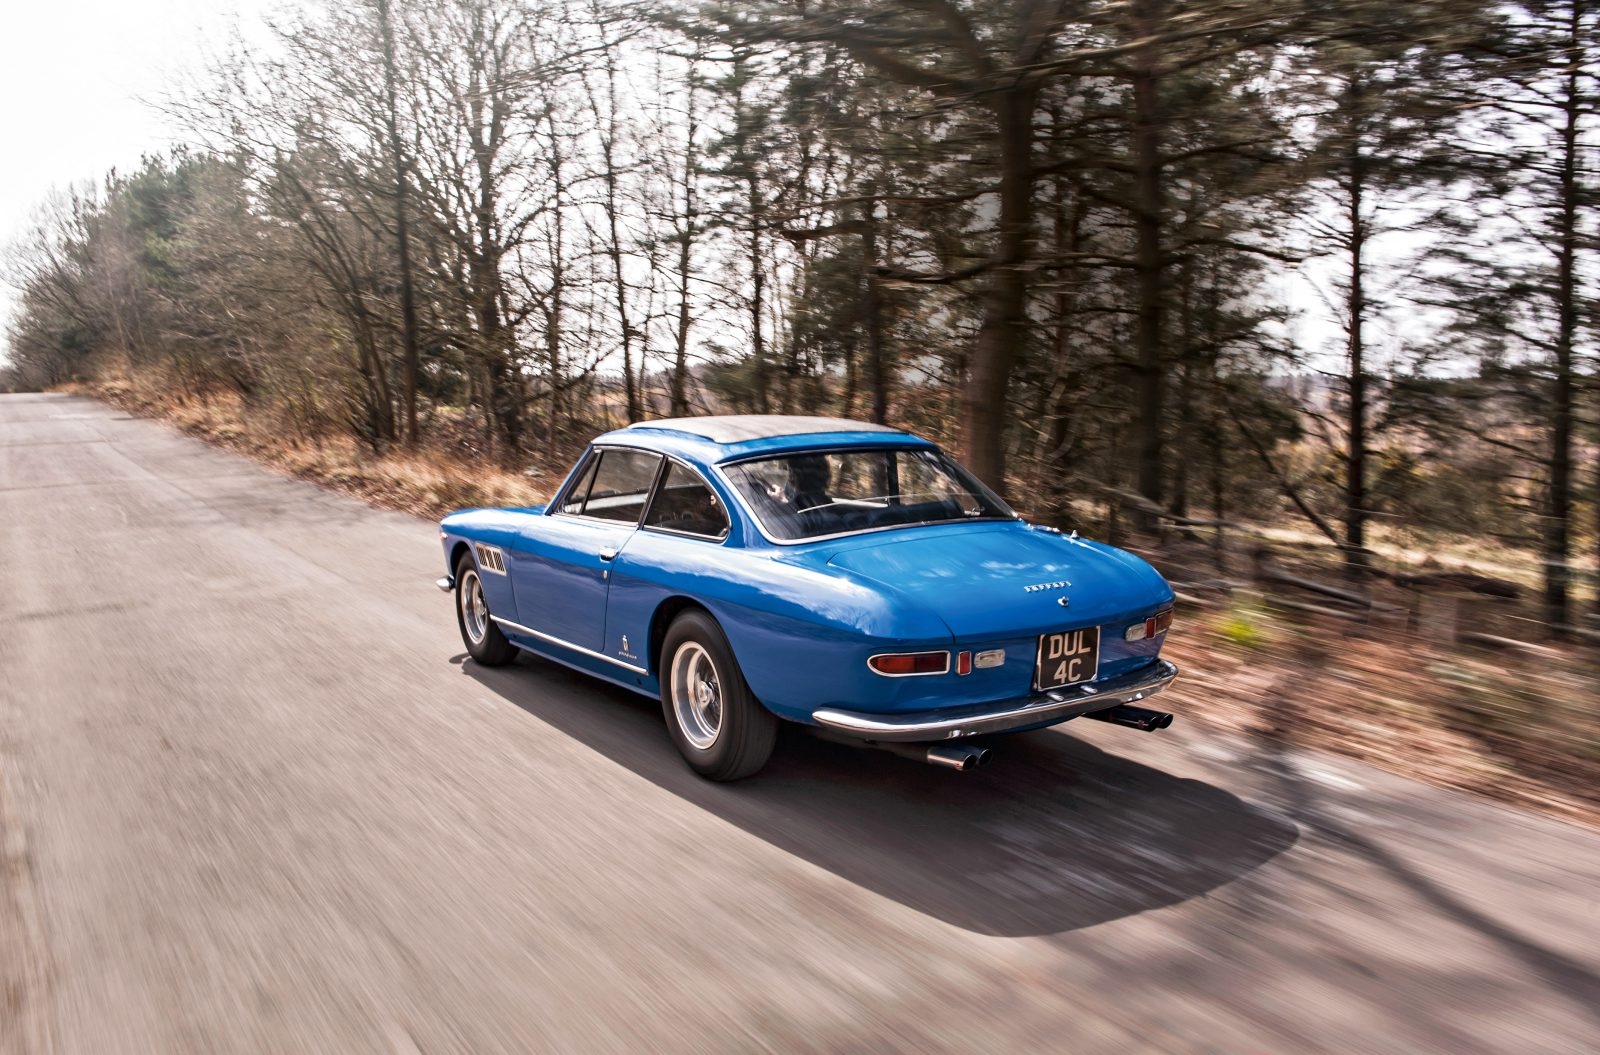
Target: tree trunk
x=484 y=270
x=1148 y=220
x=983 y=398
x=503 y=378
x=678 y=395
x=678 y=392
x=1355 y=497
x=1219 y=501
x=608 y=141
x=879 y=370
x=379 y=406
x=758 y=302
x=554 y=331
x=1186 y=390
x=1558 y=505
x=1056 y=402
x=397 y=159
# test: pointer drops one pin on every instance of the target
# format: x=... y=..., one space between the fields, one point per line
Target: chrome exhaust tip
x=446 y=584
x=1134 y=718
x=961 y=757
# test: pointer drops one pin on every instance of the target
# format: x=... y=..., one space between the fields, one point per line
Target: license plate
x=1069 y=657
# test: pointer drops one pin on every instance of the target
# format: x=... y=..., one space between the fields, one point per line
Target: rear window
x=819 y=493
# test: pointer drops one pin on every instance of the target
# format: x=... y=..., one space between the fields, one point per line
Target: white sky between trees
x=73 y=77
x=80 y=80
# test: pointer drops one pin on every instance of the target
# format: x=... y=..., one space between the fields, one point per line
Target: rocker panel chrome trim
x=528 y=631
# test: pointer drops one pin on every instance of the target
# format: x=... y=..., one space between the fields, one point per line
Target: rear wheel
x=485 y=643
x=719 y=726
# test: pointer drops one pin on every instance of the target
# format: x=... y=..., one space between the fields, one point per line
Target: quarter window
x=573 y=502
x=685 y=503
x=620 y=485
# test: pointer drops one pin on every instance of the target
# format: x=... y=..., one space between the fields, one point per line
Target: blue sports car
x=846 y=576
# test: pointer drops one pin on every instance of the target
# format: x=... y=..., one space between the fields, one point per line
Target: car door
x=562 y=570
x=676 y=550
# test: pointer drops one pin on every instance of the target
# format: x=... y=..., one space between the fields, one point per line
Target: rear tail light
x=963 y=662
x=1155 y=626
x=904 y=664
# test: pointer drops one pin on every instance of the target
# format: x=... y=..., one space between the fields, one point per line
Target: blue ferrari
x=853 y=578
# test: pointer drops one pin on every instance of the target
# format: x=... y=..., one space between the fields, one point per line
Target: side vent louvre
x=491 y=559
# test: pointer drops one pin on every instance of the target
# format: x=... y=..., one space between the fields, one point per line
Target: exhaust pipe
x=954 y=756
x=1134 y=718
x=957 y=756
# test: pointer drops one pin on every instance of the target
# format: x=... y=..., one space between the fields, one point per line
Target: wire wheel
x=696 y=695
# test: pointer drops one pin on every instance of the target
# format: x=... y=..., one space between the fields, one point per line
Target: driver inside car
x=809 y=476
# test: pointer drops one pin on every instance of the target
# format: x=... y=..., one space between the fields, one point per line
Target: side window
x=686 y=503
x=573 y=502
x=621 y=484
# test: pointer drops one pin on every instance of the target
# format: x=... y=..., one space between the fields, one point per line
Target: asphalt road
x=253 y=800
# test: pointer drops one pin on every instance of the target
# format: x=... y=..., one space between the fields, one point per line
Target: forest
x=1155 y=269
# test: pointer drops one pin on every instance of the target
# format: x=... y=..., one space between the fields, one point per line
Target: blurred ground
x=253 y=800
x=1521 y=724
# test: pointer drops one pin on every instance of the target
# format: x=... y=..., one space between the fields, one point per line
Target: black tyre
x=485 y=643
x=720 y=728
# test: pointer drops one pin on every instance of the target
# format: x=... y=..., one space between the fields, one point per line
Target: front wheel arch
x=492 y=649
x=457 y=552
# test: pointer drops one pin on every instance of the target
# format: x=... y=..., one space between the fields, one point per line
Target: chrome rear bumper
x=1056 y=705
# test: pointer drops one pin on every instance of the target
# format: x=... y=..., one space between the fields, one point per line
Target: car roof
x=729 y=437
x=739 y=428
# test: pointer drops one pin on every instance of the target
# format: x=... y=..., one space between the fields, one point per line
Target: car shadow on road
x=1056 y=835
x=1306 y=801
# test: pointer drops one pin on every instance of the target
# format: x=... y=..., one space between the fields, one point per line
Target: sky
x=73 y=74
x=79 y=80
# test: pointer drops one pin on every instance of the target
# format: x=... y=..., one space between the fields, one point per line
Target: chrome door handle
x=609 y=553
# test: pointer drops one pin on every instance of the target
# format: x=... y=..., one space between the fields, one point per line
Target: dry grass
x=1522 y=726
x=1410 y=548
x=428 y=482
